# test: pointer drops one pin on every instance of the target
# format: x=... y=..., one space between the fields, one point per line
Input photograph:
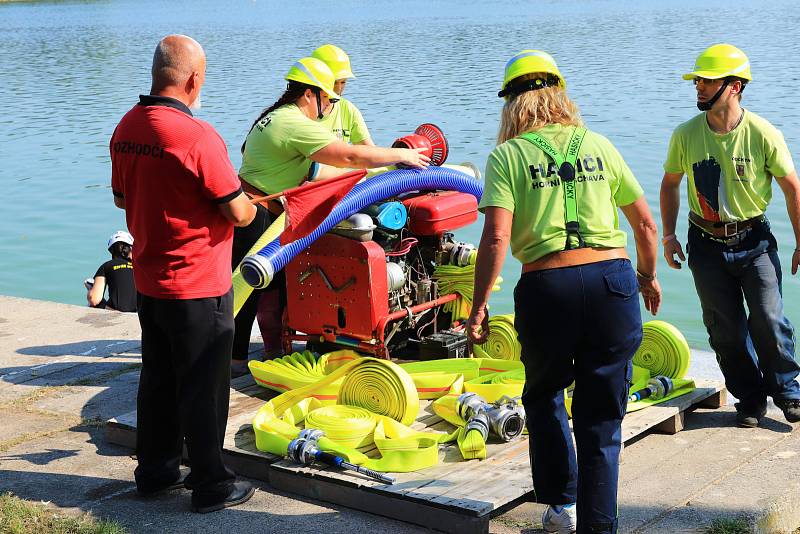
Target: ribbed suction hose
x=259 y=269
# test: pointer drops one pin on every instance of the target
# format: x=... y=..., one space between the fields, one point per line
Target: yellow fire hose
x=459 y=280
x=664 y=350
x=301 y=369
x=502 y=343
x=377 y=402
x=241 y=289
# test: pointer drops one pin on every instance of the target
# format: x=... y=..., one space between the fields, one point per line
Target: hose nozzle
x=304 y=451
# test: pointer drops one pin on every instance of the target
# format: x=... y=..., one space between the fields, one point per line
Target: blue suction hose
x=259 y=269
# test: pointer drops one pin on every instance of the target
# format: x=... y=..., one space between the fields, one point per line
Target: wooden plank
x=717 y=400
x=638 y=422
x=673 y=425
x=354 y=497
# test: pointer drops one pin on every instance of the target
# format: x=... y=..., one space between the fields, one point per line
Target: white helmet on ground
x=120 y=236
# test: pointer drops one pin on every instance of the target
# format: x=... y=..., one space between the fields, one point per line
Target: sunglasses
x=698 y=79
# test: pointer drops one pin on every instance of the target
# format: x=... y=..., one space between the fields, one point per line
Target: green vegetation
x=18 y=516
x=728 y=526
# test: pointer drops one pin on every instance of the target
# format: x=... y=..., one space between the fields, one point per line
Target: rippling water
x=71 y=69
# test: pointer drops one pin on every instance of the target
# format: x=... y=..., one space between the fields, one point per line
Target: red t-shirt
x=173 y=171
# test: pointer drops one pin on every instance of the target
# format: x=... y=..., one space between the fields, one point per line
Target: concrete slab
x=100 y=401
x=26 y=423
x=38 y=333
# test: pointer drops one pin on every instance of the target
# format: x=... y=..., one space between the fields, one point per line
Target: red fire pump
x=374 y=291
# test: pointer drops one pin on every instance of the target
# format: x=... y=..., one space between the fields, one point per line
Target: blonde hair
x=531 y=110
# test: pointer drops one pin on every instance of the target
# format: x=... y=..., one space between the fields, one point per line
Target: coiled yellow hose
x=502 y=343
x=664 y=350
x=459 y=280
x=367 y=384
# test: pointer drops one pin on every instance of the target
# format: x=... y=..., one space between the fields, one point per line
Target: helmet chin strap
x=705 y=106
x=318 y=92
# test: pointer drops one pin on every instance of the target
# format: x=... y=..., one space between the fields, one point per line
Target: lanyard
x=566 y=172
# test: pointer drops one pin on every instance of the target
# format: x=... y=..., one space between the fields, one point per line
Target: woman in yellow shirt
x=552 y=191
x=285 y=147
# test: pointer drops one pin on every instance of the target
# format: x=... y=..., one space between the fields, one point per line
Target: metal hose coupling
x=257 y=271
x=505 y=417
x=657 y=388
x=301 y=451
x=478 y=422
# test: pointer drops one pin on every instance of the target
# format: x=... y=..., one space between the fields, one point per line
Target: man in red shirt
x=172 y=176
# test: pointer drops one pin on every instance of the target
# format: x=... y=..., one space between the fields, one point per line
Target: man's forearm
x=793 y=210
x=670 y=200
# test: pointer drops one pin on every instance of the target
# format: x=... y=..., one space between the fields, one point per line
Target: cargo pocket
x=621 y=284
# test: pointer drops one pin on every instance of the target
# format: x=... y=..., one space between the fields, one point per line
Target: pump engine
x=369 y=284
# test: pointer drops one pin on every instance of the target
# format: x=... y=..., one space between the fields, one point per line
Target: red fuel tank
x=438 y=212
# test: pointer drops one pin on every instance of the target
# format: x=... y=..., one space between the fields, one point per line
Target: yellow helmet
x=721 y=61
x=336 y=59
x=311 y=71
x=527 y=62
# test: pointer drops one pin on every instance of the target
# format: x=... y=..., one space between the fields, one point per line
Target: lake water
x=70 y=70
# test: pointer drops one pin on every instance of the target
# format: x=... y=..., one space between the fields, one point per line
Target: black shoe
x=180 y=483
x=748 y=417
x=790 y=409
x=242 y=491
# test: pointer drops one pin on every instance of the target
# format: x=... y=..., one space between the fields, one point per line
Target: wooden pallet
x=454 y=496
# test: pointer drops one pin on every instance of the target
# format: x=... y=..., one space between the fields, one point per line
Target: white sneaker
x=565 y=522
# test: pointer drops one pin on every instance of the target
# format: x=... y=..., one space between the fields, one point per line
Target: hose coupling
x=257 y=271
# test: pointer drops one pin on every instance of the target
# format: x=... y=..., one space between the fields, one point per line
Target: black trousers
x=184 y=390
x=243 y=239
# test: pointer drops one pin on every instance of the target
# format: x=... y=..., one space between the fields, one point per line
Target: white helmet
x=120 y=236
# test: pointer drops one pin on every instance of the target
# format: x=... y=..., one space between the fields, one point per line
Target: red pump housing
x=338 y=288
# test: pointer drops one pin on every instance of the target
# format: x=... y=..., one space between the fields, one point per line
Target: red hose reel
x=427 y=136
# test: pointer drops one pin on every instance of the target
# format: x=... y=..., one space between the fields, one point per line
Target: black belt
x=724 y=230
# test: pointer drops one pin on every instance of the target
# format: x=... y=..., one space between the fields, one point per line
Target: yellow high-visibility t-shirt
x=346 y=122
x=521 y=178
x=277 y=150
x=730 y=175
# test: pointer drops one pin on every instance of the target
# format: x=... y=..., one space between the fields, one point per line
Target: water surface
x=70 y=70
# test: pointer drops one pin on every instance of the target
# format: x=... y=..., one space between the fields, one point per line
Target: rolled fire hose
x=301 y=369
x=664 y=350
x=371 y=388
x=502 y=343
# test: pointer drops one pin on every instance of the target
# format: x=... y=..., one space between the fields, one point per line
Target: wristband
x=640 y=274
x=667 y=238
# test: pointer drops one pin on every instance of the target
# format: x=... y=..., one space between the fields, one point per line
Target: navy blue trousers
x=755 y=351
x=579 y=324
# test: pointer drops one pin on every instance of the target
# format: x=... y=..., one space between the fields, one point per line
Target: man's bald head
x=175 y=60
